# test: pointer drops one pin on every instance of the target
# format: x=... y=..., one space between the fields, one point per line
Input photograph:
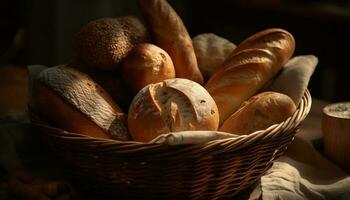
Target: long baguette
x=170 y=34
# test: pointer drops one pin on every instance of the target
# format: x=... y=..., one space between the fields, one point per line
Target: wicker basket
x=133 y=170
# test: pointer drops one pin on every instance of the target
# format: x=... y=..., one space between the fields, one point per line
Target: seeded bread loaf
x=103 y=43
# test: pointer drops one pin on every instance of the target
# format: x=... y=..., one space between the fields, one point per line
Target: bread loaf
x=278 y=41
x=70 y=100
x=211 y=51
x=259 y=112
x=170 y=106
x=170 y=34
x=103 y=43
x=144 y=65
x=235 y=84
x=110 y=81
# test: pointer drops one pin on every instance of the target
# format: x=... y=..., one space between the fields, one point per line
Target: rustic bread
x=144 y=65
x=236 y=84
x=103 y=43
x=278 y=41
x=259 y=112
x=170 y=34
x=249 y=68
x=70 y=100
x=211 y=51
x=110 y=81
x=170 y=106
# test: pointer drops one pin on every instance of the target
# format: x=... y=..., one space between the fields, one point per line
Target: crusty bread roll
x=108 y=80
x=70 y=100
x=234 y=85
x=211 y=51
x=170 y=34
x=259 y=112
x=170 y=106
x=103 y=43
x=144 y=65
x=280 y=42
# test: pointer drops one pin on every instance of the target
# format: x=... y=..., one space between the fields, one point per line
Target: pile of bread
x=131 y=81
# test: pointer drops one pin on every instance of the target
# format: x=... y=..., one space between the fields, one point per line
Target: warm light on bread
x=171 y=105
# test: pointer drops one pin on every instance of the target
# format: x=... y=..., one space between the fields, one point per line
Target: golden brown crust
x=175 y=105
x=259 y=112
x=144 y=65
x=280 y=42
x=103 y=43
x=72 y=101
x=170 y=34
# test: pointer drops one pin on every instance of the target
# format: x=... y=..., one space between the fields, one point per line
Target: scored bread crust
x=278 y=41
x=171 y=105
x=250 y=56
x=170 y=34
x=80 y=93
x=232 y=86
x=259 y=112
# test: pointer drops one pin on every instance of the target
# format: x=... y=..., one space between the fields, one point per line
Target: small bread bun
x=144 y=65
x=278 y=41
x=70 y=100
x=211 y=51
x=103 y=43
x=259 y=112
x=171 y=105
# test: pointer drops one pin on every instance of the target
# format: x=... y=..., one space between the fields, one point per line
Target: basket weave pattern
x=133 y=170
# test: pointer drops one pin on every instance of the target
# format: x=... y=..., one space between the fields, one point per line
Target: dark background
x=42 y=32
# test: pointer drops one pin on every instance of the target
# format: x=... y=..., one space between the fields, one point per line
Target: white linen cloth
x=304 y=173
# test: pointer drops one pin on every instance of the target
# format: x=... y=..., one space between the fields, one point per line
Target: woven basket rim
x=236 y=143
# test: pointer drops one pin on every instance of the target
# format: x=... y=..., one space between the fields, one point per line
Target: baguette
x=234 y=85
x=170 y=106
x=278 y=41
x=150 y=63
x=70 y=100
x=259 y=112
x=170 y=34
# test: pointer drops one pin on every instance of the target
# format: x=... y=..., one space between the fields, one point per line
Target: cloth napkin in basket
x=303 y=173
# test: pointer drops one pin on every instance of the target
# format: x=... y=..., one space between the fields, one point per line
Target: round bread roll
x=144 y=65
x=259 y=112
x=170 y=106
x=211 y=51
x=70 y=100
x=103 y=43
x=280 y=42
